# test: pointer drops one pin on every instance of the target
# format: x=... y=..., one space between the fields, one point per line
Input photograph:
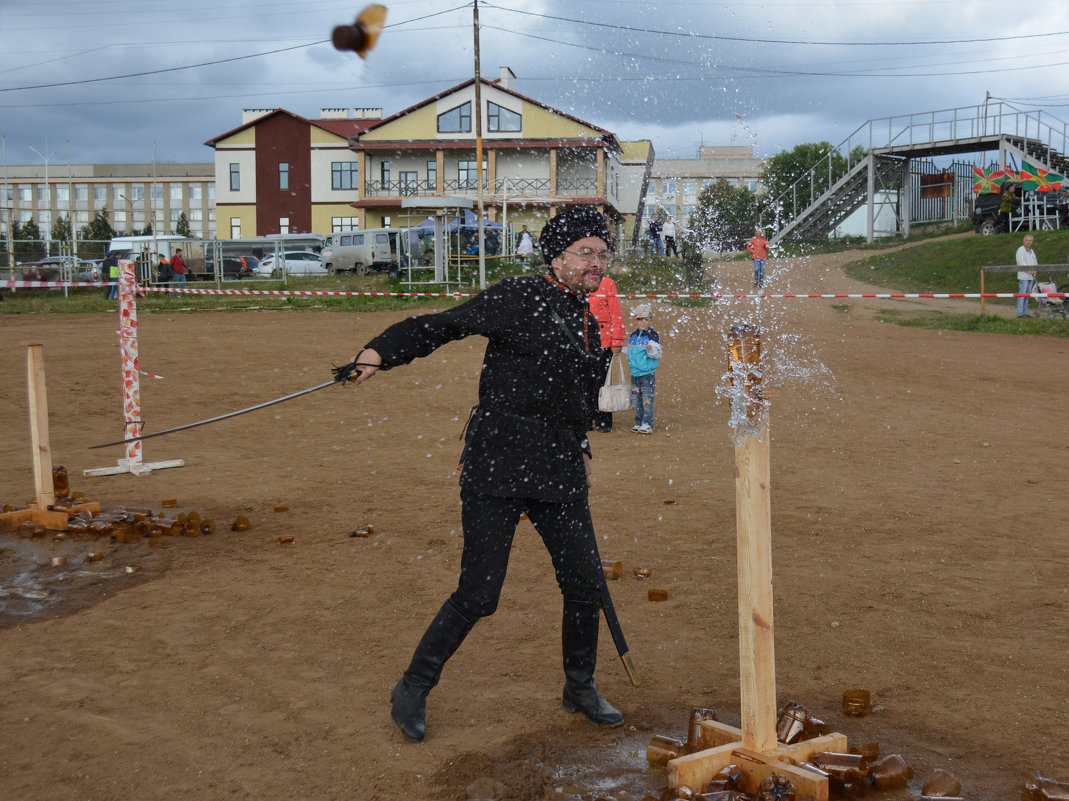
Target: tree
x=29 y=236
x=726 y=216
x=824 y=161
x=181 y=227
x=61 y=229
x=147 y=231
x=99 y=229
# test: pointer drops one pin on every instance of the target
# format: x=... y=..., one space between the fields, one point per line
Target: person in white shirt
x=1026 y=257
x=669 y=234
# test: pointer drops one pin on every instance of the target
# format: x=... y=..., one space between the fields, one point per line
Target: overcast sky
x=110 y=80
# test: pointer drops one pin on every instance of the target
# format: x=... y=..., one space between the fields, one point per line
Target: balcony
x=404 y=188
x=503 y=187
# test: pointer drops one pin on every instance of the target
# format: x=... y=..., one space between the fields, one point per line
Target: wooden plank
x=758 y=767
x=54 y=521
x=42 y=453
x=713 y=733
x=757 y=660
x=694 y=770
x=801 y=752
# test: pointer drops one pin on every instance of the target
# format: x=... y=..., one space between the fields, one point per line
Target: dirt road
x=919 y=503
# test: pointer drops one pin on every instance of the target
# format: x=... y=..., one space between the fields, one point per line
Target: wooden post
x=983 y=272
x=757 y=660
x=42 y=452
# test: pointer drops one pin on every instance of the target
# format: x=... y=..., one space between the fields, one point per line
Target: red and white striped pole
x=131 y=382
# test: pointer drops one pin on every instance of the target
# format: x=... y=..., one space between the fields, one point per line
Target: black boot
x=579 y=640
x=441 y=640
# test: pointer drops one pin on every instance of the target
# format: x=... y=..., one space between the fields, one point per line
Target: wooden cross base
x=52 y=519
x=723 y=746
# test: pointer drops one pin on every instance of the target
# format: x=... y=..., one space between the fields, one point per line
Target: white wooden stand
x=131 y=383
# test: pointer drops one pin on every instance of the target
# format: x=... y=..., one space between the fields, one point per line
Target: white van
x=361 y=251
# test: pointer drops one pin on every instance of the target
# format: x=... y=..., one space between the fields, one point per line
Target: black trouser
x=670 y=246
x=489 y=526
x=602 y=421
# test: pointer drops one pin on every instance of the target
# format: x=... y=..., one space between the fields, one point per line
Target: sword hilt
x=345 y=372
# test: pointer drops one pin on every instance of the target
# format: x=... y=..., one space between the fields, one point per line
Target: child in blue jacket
x=643 y=355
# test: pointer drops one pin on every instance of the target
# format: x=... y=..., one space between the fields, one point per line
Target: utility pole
x=8 y=205
x=479 y=148
x=70 y=209
x=46 y=235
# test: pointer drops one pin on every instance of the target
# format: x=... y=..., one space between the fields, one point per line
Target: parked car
x=985 y=217
x=297 y=262
x=51 y=268
x=233 y=267
x=89 y=270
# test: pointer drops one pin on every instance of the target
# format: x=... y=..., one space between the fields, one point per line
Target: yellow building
x=281 y=173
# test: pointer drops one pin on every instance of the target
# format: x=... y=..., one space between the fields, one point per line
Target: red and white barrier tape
x=142 y=290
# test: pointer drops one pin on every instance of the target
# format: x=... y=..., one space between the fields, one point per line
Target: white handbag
x=615 y=397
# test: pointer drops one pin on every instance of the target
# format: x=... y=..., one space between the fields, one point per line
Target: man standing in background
x=178 y=268
x=1026 y=257
x=758 y=248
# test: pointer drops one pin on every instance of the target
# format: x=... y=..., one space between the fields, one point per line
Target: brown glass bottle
x=871 y=751
x=890 y=772
x=1038 y=788
x=856 y=703
x=61 y=484
x=776 y=788
x=728 y=777
x=694 y=727
x=837 y=764
x=941 y=784
x=662 y=750
x=791 y=722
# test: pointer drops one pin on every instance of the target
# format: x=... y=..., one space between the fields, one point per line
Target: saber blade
x=341 y=375
x=220 y=417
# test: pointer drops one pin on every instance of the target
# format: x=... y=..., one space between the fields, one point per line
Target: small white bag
x=615 y=397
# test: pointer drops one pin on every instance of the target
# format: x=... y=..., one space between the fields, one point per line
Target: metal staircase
x=849 y=194
x=876 y=158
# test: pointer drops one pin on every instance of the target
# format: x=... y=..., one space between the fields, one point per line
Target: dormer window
x=499 y=118
x=456 y=120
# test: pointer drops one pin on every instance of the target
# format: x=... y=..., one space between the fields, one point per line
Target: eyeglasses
x=591 y=256
x=642 y=318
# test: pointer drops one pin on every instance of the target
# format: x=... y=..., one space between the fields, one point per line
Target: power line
x=772 y=72
x=756 y=40
x=209 y=63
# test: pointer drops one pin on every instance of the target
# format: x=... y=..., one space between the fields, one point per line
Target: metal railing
x=528 y=187
x=908 y=131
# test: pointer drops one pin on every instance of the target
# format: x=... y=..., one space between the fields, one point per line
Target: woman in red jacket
x=605 y=306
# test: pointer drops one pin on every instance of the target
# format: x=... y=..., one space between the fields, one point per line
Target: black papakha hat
x=570 y=226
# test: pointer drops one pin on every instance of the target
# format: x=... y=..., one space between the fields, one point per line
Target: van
x=361 y=251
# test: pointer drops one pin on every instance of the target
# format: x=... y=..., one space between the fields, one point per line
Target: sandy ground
x=919 y=504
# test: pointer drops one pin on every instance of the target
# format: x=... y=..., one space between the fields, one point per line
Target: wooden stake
x=757 y=659
x=753 y=747
x=42 y=453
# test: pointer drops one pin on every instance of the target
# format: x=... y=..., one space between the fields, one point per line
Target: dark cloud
x=677 y=73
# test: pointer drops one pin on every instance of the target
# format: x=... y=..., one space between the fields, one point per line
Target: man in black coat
x=525 y=451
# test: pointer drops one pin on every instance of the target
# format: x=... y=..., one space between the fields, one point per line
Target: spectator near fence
x=1026 y=257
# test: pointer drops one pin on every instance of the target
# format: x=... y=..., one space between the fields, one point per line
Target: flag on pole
x=1038 y=179
x=988 y=181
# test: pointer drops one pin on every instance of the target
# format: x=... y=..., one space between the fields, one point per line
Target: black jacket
x=527 y=435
